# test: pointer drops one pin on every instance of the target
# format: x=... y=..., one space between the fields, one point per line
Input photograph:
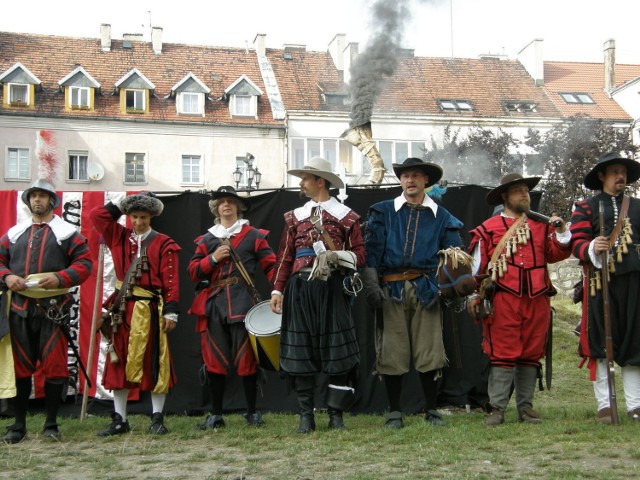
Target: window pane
x=329 y=152
x=297 y=153
x=191 y=169
x=19 y=93
x=243 y=105
x=78 y=166
x=135 y=99
x=313 y=148
x=134 y=168
x=190 y=102
x=402 y=151
x=386 y=152
x=17 y=163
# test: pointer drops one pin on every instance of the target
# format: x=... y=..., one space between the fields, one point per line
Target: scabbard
x=548 y=358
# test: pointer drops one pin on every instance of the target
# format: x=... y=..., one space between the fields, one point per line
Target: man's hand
x=15 y=283
x=49 y=280
x=221 y=253
x=372 y=290
x=561 y=225
x=168 y=325
x=601 y=244
x=276 y=303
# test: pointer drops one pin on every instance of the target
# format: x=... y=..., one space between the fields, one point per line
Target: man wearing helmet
x=40 y=259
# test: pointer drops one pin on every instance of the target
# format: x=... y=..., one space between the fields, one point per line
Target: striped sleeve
x=581 y=231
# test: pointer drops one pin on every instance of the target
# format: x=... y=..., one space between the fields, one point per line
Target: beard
x=522 y=206
x=40 y=210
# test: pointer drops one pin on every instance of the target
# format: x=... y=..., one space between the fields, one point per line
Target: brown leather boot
x=496 y=417
x=604 y=416
x=529 y=415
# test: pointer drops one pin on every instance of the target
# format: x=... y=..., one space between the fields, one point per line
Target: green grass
x=568 y=445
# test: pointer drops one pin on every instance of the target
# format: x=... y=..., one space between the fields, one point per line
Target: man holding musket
x=143 y=308
x=513 y=251
x=619 y=238
x=40 y=259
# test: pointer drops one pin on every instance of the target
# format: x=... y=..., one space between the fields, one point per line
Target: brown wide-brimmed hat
x=494 y=197
x=591 y=180
x=433 y=171
x=229 y=191
x=319 y=167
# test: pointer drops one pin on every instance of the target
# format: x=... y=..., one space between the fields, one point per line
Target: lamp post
x=253 y=174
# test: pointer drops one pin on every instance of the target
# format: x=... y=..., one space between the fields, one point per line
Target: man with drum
x=225 y=261
x=317 y=334
x=403 y=237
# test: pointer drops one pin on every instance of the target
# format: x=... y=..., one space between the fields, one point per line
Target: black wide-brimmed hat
x=433 y=171
x=591 y=180
x=229 y=191
x=494 y=197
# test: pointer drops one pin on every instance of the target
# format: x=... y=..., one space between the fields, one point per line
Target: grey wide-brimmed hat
x=142 y=202
x=229 y=191
x=433 y=171
x=494 y=197
x=319 y=167
x=591 y=180
x=45 y=187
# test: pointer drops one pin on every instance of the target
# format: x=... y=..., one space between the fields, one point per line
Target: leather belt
x=226 y=281
x=406 y=275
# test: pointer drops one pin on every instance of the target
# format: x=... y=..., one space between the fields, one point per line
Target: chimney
x=349 y=55
x=259 y=44
x=156 y=40
x=336 y=47
x=609 y=65
x=532 y=60
x=105 y=37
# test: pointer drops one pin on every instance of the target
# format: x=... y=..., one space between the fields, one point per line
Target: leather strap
x=394 y=277
x=125 y=282
x=316 y=221
x=517 y=224
x=251 y=287
x=226 y=281
x=624 y=208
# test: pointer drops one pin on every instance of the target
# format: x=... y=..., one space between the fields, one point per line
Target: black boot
x=17 y=431
x=335 y=419
x=53 y=390
x=304 y=387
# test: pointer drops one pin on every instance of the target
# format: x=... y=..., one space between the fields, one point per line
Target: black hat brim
x=592 y=182
x=494 y=197
x=243 y=201
x=431 y=170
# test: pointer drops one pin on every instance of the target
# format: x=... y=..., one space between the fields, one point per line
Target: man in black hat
x=226 y=258
x=40 y=259
x=317 y=334
x=514 y=250
x=402 y=240
x=611 y=175
x=144 y=307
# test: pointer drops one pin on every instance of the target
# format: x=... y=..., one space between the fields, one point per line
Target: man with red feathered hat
x=40 y=259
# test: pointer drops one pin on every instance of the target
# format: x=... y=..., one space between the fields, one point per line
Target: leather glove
x=371 y=287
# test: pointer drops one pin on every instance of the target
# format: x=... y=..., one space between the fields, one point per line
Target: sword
x=54 y=313
x=548 y=357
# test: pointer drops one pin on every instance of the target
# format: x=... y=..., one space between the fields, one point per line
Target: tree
x=569 y=150
x=482 y=157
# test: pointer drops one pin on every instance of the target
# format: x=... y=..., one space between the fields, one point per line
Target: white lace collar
x=332 y=206
x=222 y=232
x=61 y=229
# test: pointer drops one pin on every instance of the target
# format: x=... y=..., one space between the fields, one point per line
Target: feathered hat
x=142 y=202
x=48 y=164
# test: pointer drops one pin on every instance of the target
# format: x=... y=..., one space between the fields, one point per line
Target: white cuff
x=276 y=292
x=172 y=317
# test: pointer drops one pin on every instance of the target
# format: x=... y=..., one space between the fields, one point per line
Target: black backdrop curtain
x=186 y=216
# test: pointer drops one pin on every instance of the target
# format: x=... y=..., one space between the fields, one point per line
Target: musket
x=543 y=218
x=611 y=381
x=253 y=291
x=97 y=307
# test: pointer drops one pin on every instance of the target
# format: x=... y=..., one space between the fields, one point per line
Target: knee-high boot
x=304 y=387
x=525 y=382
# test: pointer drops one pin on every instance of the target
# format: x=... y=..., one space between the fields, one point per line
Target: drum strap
x=248 y=281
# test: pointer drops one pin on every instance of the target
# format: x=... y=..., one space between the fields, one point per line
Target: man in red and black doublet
x=222 y=305
x=610 y=175
x=140 y=343
x=40 y=259
x=317 y=334
x=515 y=336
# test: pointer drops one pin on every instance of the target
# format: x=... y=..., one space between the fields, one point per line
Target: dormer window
x=79 y=88
x=519 y=107
x=458 y=105
x=18 y=95
x=243 y=98
x=135 y=90
x=577 y=98
x=190 y=94
x=19 y=86
x=135 y=100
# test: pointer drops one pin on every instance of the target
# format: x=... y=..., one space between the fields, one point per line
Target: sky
x=572 y=30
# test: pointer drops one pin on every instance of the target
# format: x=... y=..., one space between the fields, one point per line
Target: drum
x=264 y=334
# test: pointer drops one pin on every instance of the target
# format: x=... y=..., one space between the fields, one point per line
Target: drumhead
x=261 y=321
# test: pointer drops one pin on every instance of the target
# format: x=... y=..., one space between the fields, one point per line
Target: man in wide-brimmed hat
x=40 y=259
x=402 y=240
x=513 y=251
x=611 y=175
x=318 y=334
x=225 y=259
x=144 y=307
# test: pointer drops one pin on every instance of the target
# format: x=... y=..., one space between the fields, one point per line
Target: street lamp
x=253 y=174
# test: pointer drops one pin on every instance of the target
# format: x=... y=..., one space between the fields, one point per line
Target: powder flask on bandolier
x=521 y=236
x=620 y=246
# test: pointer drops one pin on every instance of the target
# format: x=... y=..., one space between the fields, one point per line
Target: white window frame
x=188 y=100
x=244 y=105
x=78 y=161
x=194 y=162
x=22 y=168
x=139 y=97
x=135 y=159
x=25 y=100
x=79 y=97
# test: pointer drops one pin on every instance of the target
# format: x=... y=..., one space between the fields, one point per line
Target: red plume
x=48 y=160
